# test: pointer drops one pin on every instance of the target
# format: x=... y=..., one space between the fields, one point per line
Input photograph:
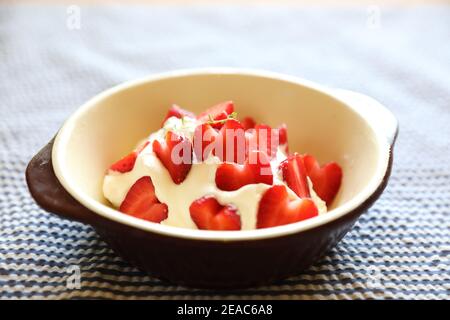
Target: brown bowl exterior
x=197 y=263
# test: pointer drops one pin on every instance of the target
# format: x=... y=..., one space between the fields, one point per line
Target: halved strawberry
x=126 y=164
x=282 y=137
x=256 y=169
x=262 y=138
x=218 y=112
x=203 y=141
x=175 y=153
x=275 y=208
x=248 y=123
x=230 y=144
x=294 y=173
x=176 y=111
x=141 y=202
x=208 y=214
x=326 y=180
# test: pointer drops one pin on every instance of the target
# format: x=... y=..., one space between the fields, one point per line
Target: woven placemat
x=48 y=66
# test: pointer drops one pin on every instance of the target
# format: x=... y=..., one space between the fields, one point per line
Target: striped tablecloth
x=48 y=66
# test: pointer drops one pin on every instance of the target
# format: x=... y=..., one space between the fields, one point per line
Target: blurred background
x=54 y=55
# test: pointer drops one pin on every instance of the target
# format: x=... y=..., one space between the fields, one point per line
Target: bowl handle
x=48 y=191
x=377 y=115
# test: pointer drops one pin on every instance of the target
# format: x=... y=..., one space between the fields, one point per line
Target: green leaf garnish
x=233 y=115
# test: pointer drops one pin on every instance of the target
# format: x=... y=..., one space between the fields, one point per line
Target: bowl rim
x=108 y=212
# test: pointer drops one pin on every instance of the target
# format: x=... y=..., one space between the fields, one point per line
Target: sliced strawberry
x=176 y=111
x=208 y=214
x=220 y=111
x=141 y=202
x=294 y=173
x=262 y=138
x=256 y=169
x=275 y=208
x=175 y=153
x=203 y=141
x=230 y=145
x=326 y=180
x=248 y=123
x=282 y=137
x=126 y=164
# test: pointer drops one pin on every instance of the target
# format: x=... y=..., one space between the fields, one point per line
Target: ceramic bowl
x=334 y=125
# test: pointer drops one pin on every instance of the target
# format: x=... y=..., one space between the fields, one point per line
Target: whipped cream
x=199 y=182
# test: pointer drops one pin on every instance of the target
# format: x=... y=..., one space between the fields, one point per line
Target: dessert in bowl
x=215 y=172
x=68 y=176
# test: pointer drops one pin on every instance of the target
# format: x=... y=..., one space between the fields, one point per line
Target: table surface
x=235 y=2
x=400 y=56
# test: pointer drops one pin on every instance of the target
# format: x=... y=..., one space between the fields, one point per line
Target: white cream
x=199 y=182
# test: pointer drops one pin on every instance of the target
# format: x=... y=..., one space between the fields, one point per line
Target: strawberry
x=208 y=214
x=230 y=143
x=282 y=136
x=275 y=208
x=176 y=111
x=141 y=202
x=256 y=169
x=218 y=112
x=294 y=173
x=126 y=164
x=248 y=123
x=203 y=140
x=175 y=153
x=262 y=138
x=326 y=180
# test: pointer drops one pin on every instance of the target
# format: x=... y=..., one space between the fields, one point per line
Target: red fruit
x=326 y=179
x=262 y=138
x=208 y=214
x=294 y=173
x=175 y=153
x=176 y=111
x=248 y=123
x=230 y=144
x=203 y=140
x=275 y=208
x=217 y=112
x=256 y=169
x=141 y=202
x=282 y=136
x=126 y=164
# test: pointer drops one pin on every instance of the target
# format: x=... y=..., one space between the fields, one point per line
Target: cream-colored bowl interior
x=109 y=126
